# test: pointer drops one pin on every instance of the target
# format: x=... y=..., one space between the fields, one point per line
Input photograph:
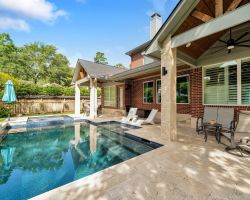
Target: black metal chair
x=210 y=113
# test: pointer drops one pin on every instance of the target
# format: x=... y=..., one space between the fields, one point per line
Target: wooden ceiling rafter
x=218 y=8
x=233 y=5
x=210 y=10
x=201 y=16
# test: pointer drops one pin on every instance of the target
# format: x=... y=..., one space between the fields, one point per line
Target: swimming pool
x=45 y=158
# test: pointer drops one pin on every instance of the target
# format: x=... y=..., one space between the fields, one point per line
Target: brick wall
x=137 y=60
x=195 y=108
x=137 y=97
x=184 y=108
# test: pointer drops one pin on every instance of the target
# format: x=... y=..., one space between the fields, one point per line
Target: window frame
x=115 y=98
x=153 y=91
x=184 y=75
x=156 y=91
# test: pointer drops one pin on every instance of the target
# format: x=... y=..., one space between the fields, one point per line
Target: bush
x=53 y=91
x=84 y=91
x=28 y=89
x=68 y=91
x=4 y=111
x=24 y=89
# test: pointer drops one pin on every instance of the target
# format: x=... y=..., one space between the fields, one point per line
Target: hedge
x=24 y=89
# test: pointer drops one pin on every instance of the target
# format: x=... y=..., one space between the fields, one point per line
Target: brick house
x=198 y=57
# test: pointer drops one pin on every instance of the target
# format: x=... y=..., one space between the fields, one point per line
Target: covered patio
x=92 y=75
x=203 y=35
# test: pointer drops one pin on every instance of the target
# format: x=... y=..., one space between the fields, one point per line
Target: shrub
x=28 y=89
x=69 y=91
x=53 y=91
x=4 y=111
x=84 y=91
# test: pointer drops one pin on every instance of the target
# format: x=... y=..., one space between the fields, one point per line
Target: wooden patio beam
x=228 y=20
x=201 y=16
x=233 y=5
x=218 y=8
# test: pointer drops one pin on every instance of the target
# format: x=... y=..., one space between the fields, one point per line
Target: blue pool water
x=42 y=159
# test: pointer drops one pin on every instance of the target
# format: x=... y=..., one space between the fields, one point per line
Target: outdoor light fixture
x=164 y=71
x=188 y=44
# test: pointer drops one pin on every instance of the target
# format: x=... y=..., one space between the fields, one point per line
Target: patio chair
x=131 y=114
x=241 y=133
x=226 y=119
x=149 y=120
x=210 y=113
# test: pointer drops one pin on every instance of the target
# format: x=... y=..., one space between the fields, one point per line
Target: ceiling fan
x=231 y=43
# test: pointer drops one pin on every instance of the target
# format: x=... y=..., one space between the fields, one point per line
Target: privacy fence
x=48 y=104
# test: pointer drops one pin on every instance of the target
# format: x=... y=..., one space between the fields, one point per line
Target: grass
x=2 y=119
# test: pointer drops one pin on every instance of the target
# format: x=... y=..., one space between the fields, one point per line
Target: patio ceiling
x=204 y=12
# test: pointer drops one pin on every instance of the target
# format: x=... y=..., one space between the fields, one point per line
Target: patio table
x=212 y=126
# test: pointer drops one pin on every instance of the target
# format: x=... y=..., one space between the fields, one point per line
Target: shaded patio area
x=187 y=168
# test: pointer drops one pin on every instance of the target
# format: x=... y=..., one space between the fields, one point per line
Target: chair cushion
x=244 y=122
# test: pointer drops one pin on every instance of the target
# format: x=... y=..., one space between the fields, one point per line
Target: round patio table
x=212 y=127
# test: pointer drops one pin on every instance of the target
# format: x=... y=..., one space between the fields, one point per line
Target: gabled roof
x=138 y=71
x=139 y=48
x=95 y=70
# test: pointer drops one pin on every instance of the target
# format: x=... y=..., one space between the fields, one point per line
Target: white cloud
x=36 y=9
x=15 y=24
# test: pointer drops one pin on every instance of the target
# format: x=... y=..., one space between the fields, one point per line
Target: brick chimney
x=155 y=24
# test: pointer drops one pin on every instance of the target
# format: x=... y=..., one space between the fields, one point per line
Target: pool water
x=42 y=159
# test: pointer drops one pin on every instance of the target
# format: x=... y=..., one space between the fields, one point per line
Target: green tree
x=119 y=65
x=100 y=58
x=8 y=54
x=35 y=62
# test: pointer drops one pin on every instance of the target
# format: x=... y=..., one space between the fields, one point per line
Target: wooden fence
x=48 y=104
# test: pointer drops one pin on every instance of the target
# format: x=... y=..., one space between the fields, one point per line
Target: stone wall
x=45 y=104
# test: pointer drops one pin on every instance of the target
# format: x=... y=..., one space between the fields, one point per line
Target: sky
x=80 y=28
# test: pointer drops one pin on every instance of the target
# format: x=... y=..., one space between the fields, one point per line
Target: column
x=77 y=100
x=168 y=91
x=93 y=98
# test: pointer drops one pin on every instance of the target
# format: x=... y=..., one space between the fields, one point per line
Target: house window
x=182 y=89
x=109 y=96
x=245 y=81
x=148 y=92
x=158 y=91
x=220 y=84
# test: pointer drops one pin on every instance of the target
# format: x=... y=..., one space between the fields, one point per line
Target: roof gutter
x=146 y=69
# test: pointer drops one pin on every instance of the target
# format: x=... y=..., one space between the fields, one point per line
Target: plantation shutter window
x=220 y=84
x=245 y=81
x=109 y=96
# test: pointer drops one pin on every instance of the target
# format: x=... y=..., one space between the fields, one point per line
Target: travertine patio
x=186 y=169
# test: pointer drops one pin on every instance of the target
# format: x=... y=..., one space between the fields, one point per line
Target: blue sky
x=80 y=28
